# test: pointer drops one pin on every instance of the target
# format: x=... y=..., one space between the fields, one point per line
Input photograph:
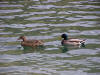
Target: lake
x=46 y=20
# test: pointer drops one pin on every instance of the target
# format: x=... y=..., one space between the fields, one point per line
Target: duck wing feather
x=75 y=40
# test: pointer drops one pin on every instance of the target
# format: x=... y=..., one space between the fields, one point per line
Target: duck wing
x=39 y=42
x=75 y=40
x=30 y=41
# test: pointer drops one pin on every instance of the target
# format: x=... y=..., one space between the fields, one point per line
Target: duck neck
x=24 y=39
x=66 y=38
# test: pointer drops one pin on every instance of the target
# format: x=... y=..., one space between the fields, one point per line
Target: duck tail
x=83 y=41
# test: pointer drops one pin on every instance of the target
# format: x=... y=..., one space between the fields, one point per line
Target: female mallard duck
x=71 y=41
x=31 y=43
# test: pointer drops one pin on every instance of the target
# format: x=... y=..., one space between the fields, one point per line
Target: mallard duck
x=71 y=41
x=31 y=43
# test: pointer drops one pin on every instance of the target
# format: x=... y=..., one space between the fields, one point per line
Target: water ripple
x=39 y=18
x=51 y=1
x=48 y=6
x=24 y=26
x=91 y=32
x=79 y=12
x=36 y=29
x=8 y=39
x=83 y=52
x=79 y=23
x=92 y=41
x=54 y=43
x=11 y=11
x=86 y=7
x=5 y=33
x=36 y=13
x=47 y=20
x=82 y=17
x=6 y=5
x=7 y=17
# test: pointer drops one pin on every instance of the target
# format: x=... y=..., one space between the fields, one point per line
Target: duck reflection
x=66 y=48
x=27 y=49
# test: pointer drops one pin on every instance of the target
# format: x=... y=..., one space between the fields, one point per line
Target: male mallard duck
x=71 y=41
x=31 y=43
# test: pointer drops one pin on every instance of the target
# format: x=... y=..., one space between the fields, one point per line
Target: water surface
x=47 y=20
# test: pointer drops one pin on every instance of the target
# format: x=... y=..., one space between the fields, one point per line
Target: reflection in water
x=27 y=49
x=66 y=48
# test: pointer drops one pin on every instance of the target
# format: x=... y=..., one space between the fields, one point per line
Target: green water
x=46 y=20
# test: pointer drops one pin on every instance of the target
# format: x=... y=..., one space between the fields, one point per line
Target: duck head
x=65 y=36
x=22 y=38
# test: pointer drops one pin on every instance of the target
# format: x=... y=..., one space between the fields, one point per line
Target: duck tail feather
x=84 y=39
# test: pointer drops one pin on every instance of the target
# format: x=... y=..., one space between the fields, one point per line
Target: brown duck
x=31 y=43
